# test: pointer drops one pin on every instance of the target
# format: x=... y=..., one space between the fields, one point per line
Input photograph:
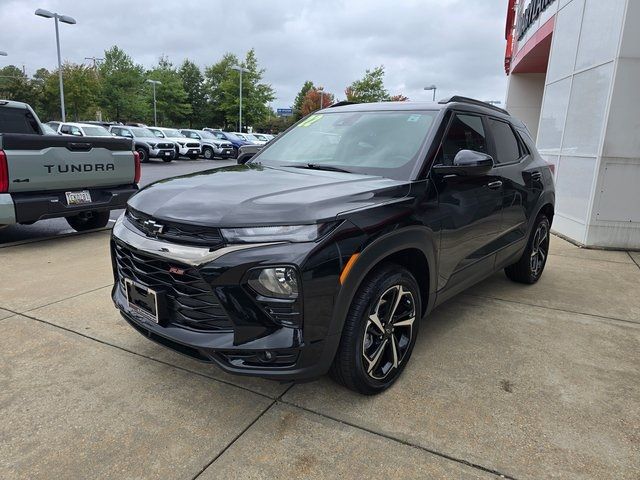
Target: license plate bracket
x=81 y=197
x=145 y=301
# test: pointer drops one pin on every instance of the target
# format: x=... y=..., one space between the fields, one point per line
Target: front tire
x=207 y=153
x=143 y=154
x=529 y=268
x=379 y=332
x=88 y=220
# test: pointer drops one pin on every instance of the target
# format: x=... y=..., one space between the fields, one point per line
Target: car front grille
x=165 y=145
x=189 y=299
x=174 y=232
x=193 y=145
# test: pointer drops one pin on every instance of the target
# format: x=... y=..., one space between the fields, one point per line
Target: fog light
x=280 y=282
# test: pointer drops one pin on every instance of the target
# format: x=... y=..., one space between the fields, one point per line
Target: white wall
x=589 y=123
x=524 y=98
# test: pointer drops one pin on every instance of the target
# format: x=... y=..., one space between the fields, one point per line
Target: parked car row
x=165 y=144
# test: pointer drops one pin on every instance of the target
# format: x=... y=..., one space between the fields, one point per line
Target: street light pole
x=321 y=90
x=155 y=113
x=432 y=87
x=240 y=69
x=64 y=19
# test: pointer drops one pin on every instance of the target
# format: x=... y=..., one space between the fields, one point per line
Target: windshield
x=96 y=131
x=157 y=133
x=372 y=143
x=205 y=134
x=142 y=132
x=260 y=137
x=251 y=137
x=170 y=132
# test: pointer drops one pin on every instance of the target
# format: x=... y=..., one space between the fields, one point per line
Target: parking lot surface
x=537 y=381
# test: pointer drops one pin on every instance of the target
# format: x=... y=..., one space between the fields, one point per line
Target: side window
x=466 y=132
x=126 y=133
x=76 y=131
x=66 y=129
x=508 y=148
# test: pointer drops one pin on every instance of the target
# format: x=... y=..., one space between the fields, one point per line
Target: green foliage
x=297 y=104
x=312 y=101
x=15 y=85
x=173 y=105
x=369 y=88
x=193 y=84
x=122 y=87
x=223 y=89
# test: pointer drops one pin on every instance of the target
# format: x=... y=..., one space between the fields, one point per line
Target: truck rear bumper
x=7 y=209
x=34 y=206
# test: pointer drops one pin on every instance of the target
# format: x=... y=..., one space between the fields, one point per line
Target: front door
x=471 y=208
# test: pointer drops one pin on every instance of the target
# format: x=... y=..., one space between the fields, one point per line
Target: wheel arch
x=413 y=248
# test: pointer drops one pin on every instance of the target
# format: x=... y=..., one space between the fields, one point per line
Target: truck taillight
x=136 y=160
x=4 y=173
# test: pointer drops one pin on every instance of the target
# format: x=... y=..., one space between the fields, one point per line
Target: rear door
x=471 y=207
x=510 y=154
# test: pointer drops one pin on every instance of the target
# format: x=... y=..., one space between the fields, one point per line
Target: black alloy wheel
x=379 y=332
x=531 y=265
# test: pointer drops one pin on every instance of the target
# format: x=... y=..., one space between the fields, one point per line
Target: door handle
x=536 y=176
x=494 y=185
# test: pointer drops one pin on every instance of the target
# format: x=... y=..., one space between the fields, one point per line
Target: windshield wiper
x=319 y=166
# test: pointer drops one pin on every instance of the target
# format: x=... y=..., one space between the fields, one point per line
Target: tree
x=81 y=88
x=312 y=99
x=222 y=84
x=369 y=88
x=398 y=98
x=122 y=85
x=15 y=85
x=173 y=105
x=192 y=82
x=297 y=104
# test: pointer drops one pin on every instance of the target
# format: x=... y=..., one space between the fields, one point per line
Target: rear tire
x=379 y=332
x=529 y=268
x=88 y=220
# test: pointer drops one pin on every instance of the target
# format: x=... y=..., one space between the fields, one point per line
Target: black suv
x=325 y=250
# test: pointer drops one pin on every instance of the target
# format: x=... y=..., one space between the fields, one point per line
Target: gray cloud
x=456 y=44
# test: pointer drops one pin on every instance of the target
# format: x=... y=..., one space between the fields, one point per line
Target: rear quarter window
x=18 y=120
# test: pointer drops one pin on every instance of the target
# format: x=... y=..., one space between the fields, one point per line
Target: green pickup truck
x=50 y=176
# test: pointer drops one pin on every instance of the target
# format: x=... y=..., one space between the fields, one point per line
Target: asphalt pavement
x=151 y=172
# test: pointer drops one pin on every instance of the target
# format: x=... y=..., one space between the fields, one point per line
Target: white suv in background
x=82 y=130
x=185 y=147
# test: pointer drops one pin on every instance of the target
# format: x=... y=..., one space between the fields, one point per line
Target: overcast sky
x=456 y=44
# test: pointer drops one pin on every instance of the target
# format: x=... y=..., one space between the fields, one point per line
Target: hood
x=254 y=195
x=152 y=139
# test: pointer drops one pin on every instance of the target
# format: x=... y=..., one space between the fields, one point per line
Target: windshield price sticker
x=310 y=121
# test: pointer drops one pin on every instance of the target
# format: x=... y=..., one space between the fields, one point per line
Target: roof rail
x=472 y=101
x=339 y=104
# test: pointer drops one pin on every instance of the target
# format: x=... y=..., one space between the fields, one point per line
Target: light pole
x=3 y=54
x=155 y=113
x=321 y=90
x=432 y=87
x=240 y=69
x=64 y=19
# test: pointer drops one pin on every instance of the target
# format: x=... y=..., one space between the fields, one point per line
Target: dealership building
x=574 y=79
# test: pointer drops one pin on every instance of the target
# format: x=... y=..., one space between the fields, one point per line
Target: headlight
x=287 y=233
x=280 y=282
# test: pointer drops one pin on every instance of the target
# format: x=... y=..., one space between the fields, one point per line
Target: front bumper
x=252 y=341
x=224 y=152
x=188 y=151
x=162 y=153
x=31 y=207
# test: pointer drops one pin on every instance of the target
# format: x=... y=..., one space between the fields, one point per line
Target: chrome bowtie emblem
x=152 y=227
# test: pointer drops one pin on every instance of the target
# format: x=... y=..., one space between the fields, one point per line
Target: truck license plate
x=78 y=198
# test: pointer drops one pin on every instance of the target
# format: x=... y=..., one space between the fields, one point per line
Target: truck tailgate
x=49 y=162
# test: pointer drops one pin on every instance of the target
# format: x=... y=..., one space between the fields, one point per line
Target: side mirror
x=467 y=163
